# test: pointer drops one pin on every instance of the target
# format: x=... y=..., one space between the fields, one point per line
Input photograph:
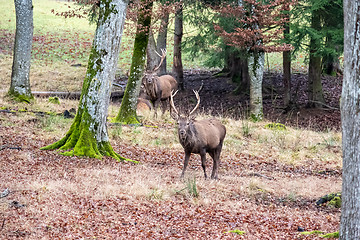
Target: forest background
x=262 y=168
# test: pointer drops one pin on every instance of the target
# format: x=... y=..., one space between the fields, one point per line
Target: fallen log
x=72 y=95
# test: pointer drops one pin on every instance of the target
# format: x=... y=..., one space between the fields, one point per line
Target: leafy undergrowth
x=260 y=193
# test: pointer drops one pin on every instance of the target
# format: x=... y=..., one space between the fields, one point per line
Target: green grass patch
x=237 y=231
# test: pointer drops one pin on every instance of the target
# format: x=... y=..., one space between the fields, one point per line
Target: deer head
x=151 y=76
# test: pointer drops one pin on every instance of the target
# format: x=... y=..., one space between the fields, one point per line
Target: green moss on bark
x=127 y=112
x=80 y=141
x=28 y=98
x=87 y=135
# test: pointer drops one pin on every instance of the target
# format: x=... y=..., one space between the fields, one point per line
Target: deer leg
x=216 y=161
x=213 y=156
x=156 y=104
x=163 y=105
x=186 y=161
x=203 y=161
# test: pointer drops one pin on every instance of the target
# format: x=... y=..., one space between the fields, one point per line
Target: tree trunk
x=315 y=91
x=20 y=82
x=152 y=59
x=287 y=66
x=287 y=78
x=239 y=71
x=161 y=41
x=256 y=63
x=88 y=133
x=178 y=33
x=350 y=119
x=127 y=113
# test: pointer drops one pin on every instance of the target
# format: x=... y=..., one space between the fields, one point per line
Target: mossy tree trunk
x=177 y=62
x=256 y=63
x=127 y=112
x=88 y=133
x=350 y=121
x=20 y=82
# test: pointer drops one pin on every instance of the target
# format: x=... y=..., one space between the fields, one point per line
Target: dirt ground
x=52 y=196
x=57 y=197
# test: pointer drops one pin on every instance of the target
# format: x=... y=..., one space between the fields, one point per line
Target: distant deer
x=159 y=88
x=143 y=105
x=199 y=136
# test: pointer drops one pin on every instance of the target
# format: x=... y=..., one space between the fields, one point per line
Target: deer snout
x=182 y=133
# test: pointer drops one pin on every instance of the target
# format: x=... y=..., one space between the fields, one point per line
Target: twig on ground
x=4 y=193
x=3 y=224
x=2 y=147
x=253 y=174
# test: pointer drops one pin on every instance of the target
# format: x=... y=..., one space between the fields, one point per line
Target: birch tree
x=350 y=119
x=20 y=82
x=88 y=133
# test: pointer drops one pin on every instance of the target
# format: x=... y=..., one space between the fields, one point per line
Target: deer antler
x=162 y=56
x=172 y=102
x=198 y=102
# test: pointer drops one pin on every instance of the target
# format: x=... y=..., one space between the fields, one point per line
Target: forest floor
x=259 y=192
x=217 y=98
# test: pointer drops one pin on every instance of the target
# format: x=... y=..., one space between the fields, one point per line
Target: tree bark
x=178 y=33
x=20 y=82
x=350 y=119
x=287 y=78
x=256 y=63
x=161 y=41
x=152 y=59
x=88 y=133
x=315 y=91
x=287 y=66
x=127 y=113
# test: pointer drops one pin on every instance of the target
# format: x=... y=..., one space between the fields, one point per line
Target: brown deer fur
x=143 y=105
x=159 y=88
x=200 y=137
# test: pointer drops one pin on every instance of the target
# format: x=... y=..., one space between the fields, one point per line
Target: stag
x=159 y=88
x=199 y=137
